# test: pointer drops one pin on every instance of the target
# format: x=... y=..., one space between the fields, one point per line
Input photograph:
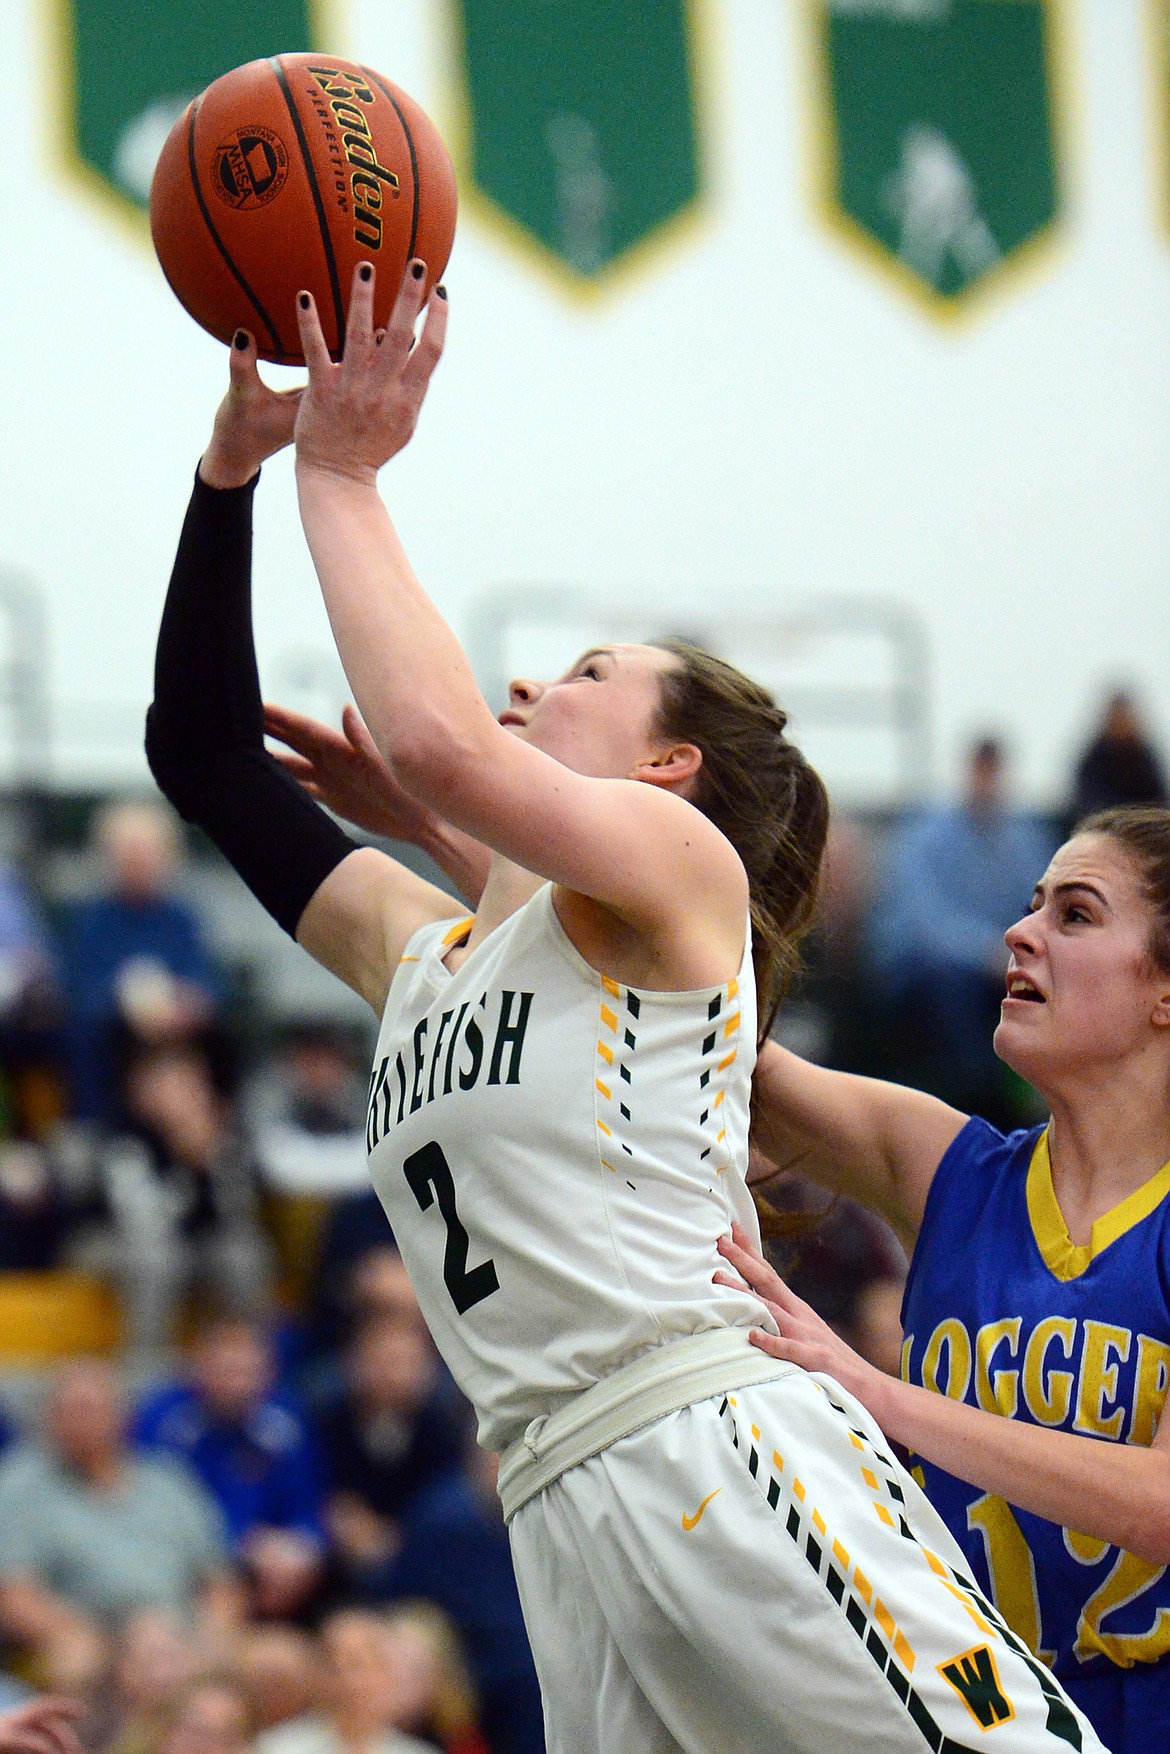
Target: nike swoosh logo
x=690 y=1522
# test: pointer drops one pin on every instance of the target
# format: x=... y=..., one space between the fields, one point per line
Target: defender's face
x=1082 y=990
x=598 y=718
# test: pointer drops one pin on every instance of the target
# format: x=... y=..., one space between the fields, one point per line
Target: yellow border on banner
x=1156 y=18
x=1027 y=261
x=670 y=236
x=56 y=74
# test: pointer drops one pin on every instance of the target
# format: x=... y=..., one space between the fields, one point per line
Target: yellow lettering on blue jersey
x=1098 y=1382
x=1149 y=1396
x=952 y=1335
x=998 y=1394
x=1049 y=1396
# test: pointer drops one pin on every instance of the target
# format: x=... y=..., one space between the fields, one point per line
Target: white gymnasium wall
x=753 y=417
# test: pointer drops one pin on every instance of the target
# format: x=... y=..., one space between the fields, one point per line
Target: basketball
x=283 y=175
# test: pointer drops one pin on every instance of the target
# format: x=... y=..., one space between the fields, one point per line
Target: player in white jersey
x=715 y=1550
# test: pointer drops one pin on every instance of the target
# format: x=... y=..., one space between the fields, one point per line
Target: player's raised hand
x=359 y=413
x=252 y=422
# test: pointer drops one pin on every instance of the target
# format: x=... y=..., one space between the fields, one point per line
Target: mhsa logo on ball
x=250 y=168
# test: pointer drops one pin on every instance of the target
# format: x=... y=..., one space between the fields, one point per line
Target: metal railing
x=852 y=672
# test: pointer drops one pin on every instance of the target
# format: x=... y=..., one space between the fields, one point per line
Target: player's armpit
x=358 y=921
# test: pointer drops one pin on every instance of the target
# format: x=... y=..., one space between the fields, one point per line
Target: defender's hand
x=344 y=771
x=252 y=422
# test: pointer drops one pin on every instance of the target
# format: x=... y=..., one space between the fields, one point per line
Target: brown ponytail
x=756 y=787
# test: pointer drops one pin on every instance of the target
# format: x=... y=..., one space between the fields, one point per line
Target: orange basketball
x=284 y=175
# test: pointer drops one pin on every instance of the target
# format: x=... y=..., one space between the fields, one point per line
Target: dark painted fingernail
x=240 y=340
x=441 y=291
x=418 y=269
x=303 y=300
x=365 y=272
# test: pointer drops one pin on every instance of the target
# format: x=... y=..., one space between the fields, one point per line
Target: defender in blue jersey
x=1065 y=1337
x=1036 y=1356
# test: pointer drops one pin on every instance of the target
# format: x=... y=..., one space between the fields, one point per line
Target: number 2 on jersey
x=429 y=1176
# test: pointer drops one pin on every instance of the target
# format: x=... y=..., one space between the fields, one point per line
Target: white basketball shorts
x=756 y=1573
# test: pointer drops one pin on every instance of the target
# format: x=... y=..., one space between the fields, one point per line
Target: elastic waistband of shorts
x=659 y=1382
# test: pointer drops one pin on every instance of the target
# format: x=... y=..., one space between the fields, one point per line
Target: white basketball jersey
x=558 y=1155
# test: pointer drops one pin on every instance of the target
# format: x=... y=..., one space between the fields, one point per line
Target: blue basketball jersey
x=1004 y=1311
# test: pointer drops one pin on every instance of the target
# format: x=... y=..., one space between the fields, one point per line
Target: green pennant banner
x=940 y=155
x=130 y=71
x=581 y=122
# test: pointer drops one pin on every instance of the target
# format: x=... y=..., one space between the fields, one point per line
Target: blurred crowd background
x=241 y=1503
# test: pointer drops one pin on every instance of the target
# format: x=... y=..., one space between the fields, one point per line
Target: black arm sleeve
x=205 y=729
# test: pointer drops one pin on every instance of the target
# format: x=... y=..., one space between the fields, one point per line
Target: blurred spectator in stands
x=355 y=1232
x=280 y=1668
x=33 y=1217
x=136 y=959
x=830 y=1014
x=254 y=1455
x=32 y=1079
x=1119 y=764
x=397 y=1424
x=359 y=1696
x=837 y=1256
x=209 y=1716
x=306 y=1111
x=91 y=1532
x=380 y=1285
x=432 y=1694
x=172 y=1199
x=829 y=1249
x=454 y=1552
x=956 y=878
x=155 y=1657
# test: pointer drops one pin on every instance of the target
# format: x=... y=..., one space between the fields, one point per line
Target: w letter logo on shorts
x=975 y=1679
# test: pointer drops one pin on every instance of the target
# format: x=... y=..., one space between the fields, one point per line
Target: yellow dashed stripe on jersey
x=616 y=1041
x=722 y=1025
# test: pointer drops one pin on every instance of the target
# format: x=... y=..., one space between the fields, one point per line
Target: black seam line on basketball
x=318 y=203
x=376 y=79
x=277 y=343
